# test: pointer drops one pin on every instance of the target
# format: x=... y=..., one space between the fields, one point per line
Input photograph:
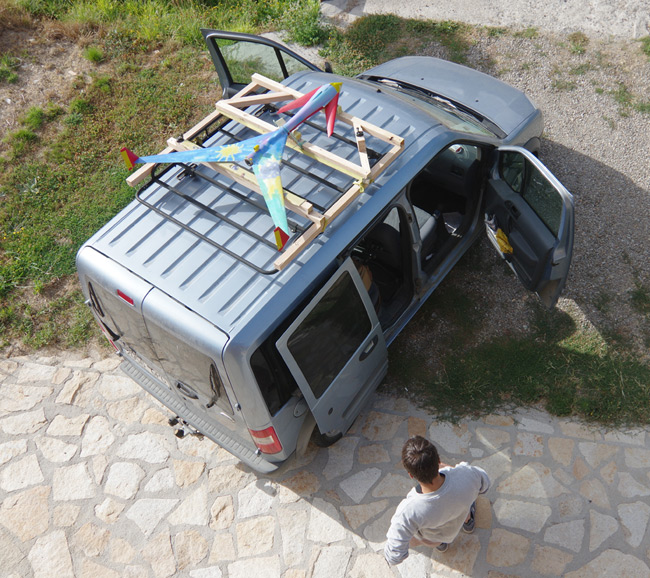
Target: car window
x=330 y=334
x=512 y=170
x=524 y=178
x=245 y=58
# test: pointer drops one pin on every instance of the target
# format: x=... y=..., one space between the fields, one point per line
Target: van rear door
x=189 y=351
x=336 y=350
x=115 y=296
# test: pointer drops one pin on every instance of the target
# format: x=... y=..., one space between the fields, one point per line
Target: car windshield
x=445 y=111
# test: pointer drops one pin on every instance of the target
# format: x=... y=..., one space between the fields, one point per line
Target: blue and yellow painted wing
x=228 y=153
x=266 y=166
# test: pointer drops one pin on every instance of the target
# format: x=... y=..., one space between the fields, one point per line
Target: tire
x=325 y=440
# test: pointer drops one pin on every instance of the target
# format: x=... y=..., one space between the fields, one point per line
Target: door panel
x=535 y=213
x=336 y=350
x=188 y=349
x=531 y=240
x=236 y=56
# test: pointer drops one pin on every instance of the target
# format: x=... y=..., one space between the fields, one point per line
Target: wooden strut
x=361 y=172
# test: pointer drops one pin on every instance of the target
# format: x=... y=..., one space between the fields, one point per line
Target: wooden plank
x=361 y=145
x=272 y=85
x=266 y=98
x=318 y=153
x=145 y=171
x=371 y=129
x=384 y=161
x=299 y=245
x=247 y=179
x=201 y=125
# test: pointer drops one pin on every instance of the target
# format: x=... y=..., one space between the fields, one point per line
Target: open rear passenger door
x=535 y=216
x=236 y=56
x=336 y=350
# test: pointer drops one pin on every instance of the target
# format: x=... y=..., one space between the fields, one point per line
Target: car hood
x=499 y=102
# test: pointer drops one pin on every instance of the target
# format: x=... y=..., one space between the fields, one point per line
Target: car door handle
x=368 y=350
x=512 y=209
x=186 y=390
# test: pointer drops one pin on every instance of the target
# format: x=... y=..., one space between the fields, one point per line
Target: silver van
x=261 y=351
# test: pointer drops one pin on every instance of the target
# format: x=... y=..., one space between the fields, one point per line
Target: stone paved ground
x=93 y=483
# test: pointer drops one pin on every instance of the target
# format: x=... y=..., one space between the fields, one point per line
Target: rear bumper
x=223 y=438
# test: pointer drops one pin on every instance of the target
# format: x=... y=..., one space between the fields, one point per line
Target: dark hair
x=420 y=458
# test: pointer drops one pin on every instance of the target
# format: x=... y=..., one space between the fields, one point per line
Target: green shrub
x=102 y=83
x=529 y=33
x=34 y=118
x=81 y=105
x=8 y=64
x=20 y=140
x=302 y=22
x=645 y=45
x=94 y=54
x=578 y=42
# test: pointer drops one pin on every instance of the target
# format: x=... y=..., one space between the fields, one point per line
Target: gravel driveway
x=622 y=18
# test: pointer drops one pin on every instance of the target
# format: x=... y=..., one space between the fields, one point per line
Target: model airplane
x=263 y=153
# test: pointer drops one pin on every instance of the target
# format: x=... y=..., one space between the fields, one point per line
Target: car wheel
x=327 y=439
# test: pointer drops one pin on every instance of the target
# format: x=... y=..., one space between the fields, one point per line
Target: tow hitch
x=183 y=428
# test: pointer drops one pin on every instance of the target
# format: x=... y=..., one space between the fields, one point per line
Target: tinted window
x=513 y=170
x=245 y=58
x=544 y=199
x=330 y=334
x=524 y=178
x=272 y=375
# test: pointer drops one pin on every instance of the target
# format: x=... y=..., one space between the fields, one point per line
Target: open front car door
x=529 y=218
x=237 y=55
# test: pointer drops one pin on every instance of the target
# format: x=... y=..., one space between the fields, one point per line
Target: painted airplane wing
x=227 y=153
x=319 y=100
x=266 y=166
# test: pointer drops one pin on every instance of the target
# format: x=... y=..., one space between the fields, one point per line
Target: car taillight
x=266 y=440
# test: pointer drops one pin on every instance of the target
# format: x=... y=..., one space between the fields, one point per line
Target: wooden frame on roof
x=362 y=172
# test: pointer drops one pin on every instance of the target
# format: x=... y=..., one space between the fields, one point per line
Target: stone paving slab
x=93 y=483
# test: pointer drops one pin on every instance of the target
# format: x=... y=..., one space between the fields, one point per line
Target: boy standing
x=442 y=503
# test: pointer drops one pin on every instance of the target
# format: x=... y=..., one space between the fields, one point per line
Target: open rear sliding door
x=336 y=350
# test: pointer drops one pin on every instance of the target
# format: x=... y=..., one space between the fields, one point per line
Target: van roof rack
x=266 y=92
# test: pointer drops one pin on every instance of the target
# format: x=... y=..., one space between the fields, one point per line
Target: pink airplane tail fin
x=330 y=113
